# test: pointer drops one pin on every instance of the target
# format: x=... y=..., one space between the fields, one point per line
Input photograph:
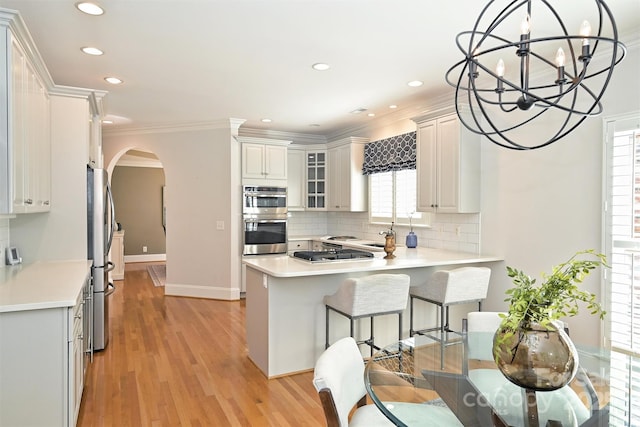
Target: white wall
x=202 y=176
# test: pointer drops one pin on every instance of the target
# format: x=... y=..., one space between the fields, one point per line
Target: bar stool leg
x=326 y=328
x=410 y=316
x=371 y=339
x=351 y=329
x=442 y=332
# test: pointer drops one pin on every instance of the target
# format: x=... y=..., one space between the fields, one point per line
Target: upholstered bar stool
x=369 y=296
x=446 y=288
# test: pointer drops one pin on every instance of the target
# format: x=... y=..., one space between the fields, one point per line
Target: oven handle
x=264 y=195
x=264 y=220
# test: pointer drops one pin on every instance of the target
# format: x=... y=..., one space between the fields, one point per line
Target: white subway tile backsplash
x=458 y=232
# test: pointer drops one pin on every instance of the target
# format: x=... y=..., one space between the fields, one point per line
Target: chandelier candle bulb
x=525 y=25
x=560 y=63
x=525 y=29
x=500 y=73
x=585 y=31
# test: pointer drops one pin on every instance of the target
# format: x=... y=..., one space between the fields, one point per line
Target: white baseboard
x=195 y=291
x=145 y=258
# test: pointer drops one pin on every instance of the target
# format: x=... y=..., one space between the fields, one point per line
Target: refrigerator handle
x=113 y=217
x=109 y=267
x=111 y=288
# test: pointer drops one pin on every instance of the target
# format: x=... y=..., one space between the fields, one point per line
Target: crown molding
x=13 y=20
x=297 y=138
x=230 y=123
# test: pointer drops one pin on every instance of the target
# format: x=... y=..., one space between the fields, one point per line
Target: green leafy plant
x=556 y=297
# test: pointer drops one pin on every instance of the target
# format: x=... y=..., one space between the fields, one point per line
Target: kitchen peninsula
x=285 y=313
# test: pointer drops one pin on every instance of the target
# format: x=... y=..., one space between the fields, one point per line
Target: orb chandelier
x=524 y=75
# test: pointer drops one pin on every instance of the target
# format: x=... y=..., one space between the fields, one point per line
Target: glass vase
x=537 y=358
x=412 y=240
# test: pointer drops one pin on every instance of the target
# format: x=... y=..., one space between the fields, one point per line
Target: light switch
x=220 y=225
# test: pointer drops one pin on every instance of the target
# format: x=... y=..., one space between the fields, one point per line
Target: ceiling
x=188 y=61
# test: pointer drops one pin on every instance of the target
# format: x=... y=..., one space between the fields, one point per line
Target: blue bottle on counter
x=412 y=240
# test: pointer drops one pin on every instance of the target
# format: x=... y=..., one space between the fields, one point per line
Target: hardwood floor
x=175 y=361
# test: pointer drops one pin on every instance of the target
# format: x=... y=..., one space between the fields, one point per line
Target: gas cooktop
x=333 y=255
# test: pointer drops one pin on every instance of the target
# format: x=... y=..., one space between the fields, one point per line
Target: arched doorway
x=138 y=183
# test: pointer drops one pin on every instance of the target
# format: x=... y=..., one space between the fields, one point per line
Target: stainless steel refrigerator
x=100 y=228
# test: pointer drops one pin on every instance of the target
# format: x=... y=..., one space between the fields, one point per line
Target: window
x=393 y=198
x=391 y=166
x=622 y=246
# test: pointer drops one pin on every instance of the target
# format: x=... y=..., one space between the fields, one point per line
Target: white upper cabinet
x=306 y=180
x=347 y=186
x=264 y=161
x=25 y=139
x=296 y=179
x=316 y=179
x=448 y=165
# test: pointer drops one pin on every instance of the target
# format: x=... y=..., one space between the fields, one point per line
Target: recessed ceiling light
x=112 y=119
x=90 y=8
x=393 y=106
x=371 y=114
x=415 y=83
x=266 y=120
x=320 y=66
x=92 y=51
x=113 y=80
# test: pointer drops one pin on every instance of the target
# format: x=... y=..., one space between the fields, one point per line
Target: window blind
x=390 y=154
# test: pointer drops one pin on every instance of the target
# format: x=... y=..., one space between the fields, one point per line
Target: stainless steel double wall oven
x=264 y=211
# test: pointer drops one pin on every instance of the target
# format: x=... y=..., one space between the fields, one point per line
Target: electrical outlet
x=220 y=225
x=458 y=231
x=144 y=249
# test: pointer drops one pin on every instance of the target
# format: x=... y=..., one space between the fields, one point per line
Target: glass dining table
x=408 y=373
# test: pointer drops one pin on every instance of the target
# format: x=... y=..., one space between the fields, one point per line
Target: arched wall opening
x=138 y=183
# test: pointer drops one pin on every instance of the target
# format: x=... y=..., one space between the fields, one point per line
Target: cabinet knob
x=28 y=201
x=46 y=203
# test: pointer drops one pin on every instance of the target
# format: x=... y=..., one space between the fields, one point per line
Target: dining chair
x=507 y=399
x=445 y=288
x=369 y=296
x=339 y=379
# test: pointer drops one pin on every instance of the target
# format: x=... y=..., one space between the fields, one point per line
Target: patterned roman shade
x=390 y=154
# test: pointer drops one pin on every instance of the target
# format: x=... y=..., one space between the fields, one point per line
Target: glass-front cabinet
x=316 y=180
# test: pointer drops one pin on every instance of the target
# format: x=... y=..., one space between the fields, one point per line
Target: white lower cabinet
x=42 y=365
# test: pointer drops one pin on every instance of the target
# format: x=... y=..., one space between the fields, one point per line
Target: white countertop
x=42 y=285
x=286 y=266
